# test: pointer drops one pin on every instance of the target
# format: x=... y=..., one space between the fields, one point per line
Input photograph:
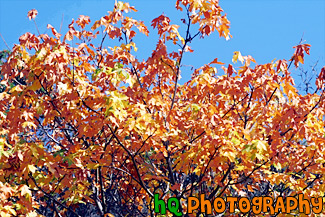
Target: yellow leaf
x=259 y=156
x=195 y=107
x=93 y=165
x=20 y=156
x=180 y=38
x=31 y=168
x=197 y=170
x=32 y=214
x=312 y=176
x=4 y=214
x=239 y=167
x=63 y=88
x=9 y=209
x=237 y=56
x=260 y=145
x=230 y=155
x=278 y=166
x=41 y=54
x=16 y=88
x=24 y=190
x=29 y=124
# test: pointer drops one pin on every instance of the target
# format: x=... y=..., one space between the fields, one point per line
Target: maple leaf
x=55 y=33
x=83 y=21
x=321 y=79
x=24 y=190
x=32 y=14
x=237 y=56
x=298 y=56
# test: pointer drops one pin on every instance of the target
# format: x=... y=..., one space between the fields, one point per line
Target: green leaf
x=69 y=160
x=60 y=152
x=195 y=107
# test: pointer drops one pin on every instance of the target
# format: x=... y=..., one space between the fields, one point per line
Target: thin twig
x=5 y=42
x=61 y=23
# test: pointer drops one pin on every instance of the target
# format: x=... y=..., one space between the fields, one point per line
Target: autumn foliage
x=83 y=124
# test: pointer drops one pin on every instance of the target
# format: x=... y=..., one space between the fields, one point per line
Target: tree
x=91 y=130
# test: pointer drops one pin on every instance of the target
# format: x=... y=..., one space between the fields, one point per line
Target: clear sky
x=265 y=29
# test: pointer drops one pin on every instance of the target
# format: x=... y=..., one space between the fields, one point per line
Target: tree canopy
x=90 y=130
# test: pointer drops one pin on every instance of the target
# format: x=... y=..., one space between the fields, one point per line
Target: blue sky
x=266 y=30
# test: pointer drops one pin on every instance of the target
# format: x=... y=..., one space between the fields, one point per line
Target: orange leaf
x=32 y=14
x=55 y=33
x=215 y=61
